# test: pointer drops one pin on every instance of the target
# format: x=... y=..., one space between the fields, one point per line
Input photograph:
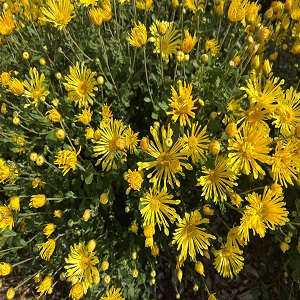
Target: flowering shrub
x=142 y=134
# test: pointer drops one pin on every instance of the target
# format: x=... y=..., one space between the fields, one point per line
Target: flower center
x=164 y=159
x=190 y=230
x=36 y=94
x=213 y=175
x=82 y=87
x=85 y=263
x=164 y=45
x=112 y=145
x=247 y=150
x=155 y=204
x=60 y=18
x=193 y=142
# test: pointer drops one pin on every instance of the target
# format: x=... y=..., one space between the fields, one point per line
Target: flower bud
x=199 y=268
x=208 y=211
x=231 y=130
x=204 y=58
x=33 y=156
x=214 y=147
x=105 y=265
x=86 y=215
x=135 y=273
x=40 y=160
x=104 y=198
x=60 y=134
x=106 y=279
x=100 y=80
x=26 y=55
x=144 y=144
x=179 y=275
x=168 y=142
x=10 y=293
x=42 y=61
x=91 y=245
x=16 y=121
x=180 y=56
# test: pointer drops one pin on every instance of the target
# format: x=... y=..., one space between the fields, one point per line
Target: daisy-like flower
x=45 y=286
x=96 y=16
x=8 y=171
x=218 y=181
x=49 y=229
x=155 y=208
x=131 y=139
x=111 y=146
x=34 y=88
x=6 y=218
x=287 y=112
x=58 y=12
x=264 y=211
x=188 y=42
x=76 y=291
x=286 y=162
x=135 y=180
x=113 y=294
x=7 y=22
x=144 y=4
x=196 y=141
x=138 y=36
x=249 y=146
x=169 y=159
x=189 y=238
x=81 y=85
x=14 y=203
x=47 y=249
x=194 y=5
x=106 y=11
x=213 y=46
x=182 y=104
x=81 y=263
x=106 y=113
x=236 y=11
x=53 y=115
x=66 y=159
x=85 y=117
x=37 y=201
x=228 y=260
x=167 y=44
x=234 y=237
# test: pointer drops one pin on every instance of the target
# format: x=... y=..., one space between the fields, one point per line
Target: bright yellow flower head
x=76 y=291
x=37 y=201
x=131 y=139
x=96 y=16
x=135 y=180
x=45 y=286
x=213 y=46
x=190 y=238
x=81 y=85
x=85 y=117
x=138 y=36
x=66 y=160
x=106 y=113
x=5 y=269
x=6 y=218
x=14 y=203
x=144 y=4
x=7 y=23
x=194 y=5
x=189 y=42
x=53 y=115
x=113 y=294
x=58 y=12
x=182 y=104
x=5 y=78
x=236 y=11
x=49 y=229
x=47 y=249
x=16 y=87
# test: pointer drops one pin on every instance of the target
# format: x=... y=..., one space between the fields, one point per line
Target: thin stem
x=146 y=73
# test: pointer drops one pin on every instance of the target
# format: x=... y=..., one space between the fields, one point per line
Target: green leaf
x=89 y=179
x=147 y=99
x=164 y=106
x=154 y=116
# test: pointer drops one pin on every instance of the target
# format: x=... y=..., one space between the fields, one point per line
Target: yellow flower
x=45 y=286
x=236 y=199
x=218 y=181
x=103 y=198
x=250 y=146
x=85 y=117
x=284 y=246
x=135 y=180
x=228 y=260
x=53 y=115
x=155 y=208
x=235 y=238
x=34 y=88
x=76 y=292
x=190 y=238
x=213 y=46
x=80 y=263
x=113 y=294
x=212 y=297
x=195 y=141
x=264 y=211
x=96 y=16
x=138 y=36
x=86 y=3
x=3 y=108
x=5 y=269
x=194 y=5
x=16 y=87
x=131 y=139
x=89 y=133
x=59 y=13
x=236 y=11
x=111 y=145
x=47 y=249
x=36 y=182
x=8 y=171
x=167 y=44
x=37 y=201
x=14 y=203
x=49 y=229
x=106 y=10
x=66 y=159
x=199 y=268
x=106 y=113
x=168 y=160
x=10 y=293
x=5 y=78
x=189 y=42
x=80 y=85
x=6 y=218
x=144 y=4
x=7 y=23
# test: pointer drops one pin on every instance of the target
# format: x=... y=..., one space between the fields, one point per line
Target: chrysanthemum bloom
x=188 y=42
x=76 y=291
x=194 y=5
x=190 y=238
x=228 y=260
x=8 y=171
x=57 y=12
x=111 y=146
x=287 y=112
x=155 y=208
x=53 y=115
x=45 y=286
x=236 y=199
x=96 y=16
x=138 y=36
x=34 y=88
x=213 y=46
x=6 y=218
x=85 y=117
x=10 y=293
x=250 y=146
x=14 y=203
x=135 y=180
x=113 y=294
x=7 y=22
x=80 y=85
x=47 y=249
x=5 y=78
x=37 y=201
x=106 y=114
x=16 y=87
x=168 y=160
x=89 y=133
x=80 y=263
x=286 y=162
x=66 y=159
x=296 y=48
x=182 y=103
x=5 y=269
x=149 y=231
x=251 y=11
x=106 y=10
x=236 y=11
x=196 y=141
x=49 y=229
x=218 y=181
x=264 y=211
x=144 y=4
x=167 y=44
x=131 y=140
